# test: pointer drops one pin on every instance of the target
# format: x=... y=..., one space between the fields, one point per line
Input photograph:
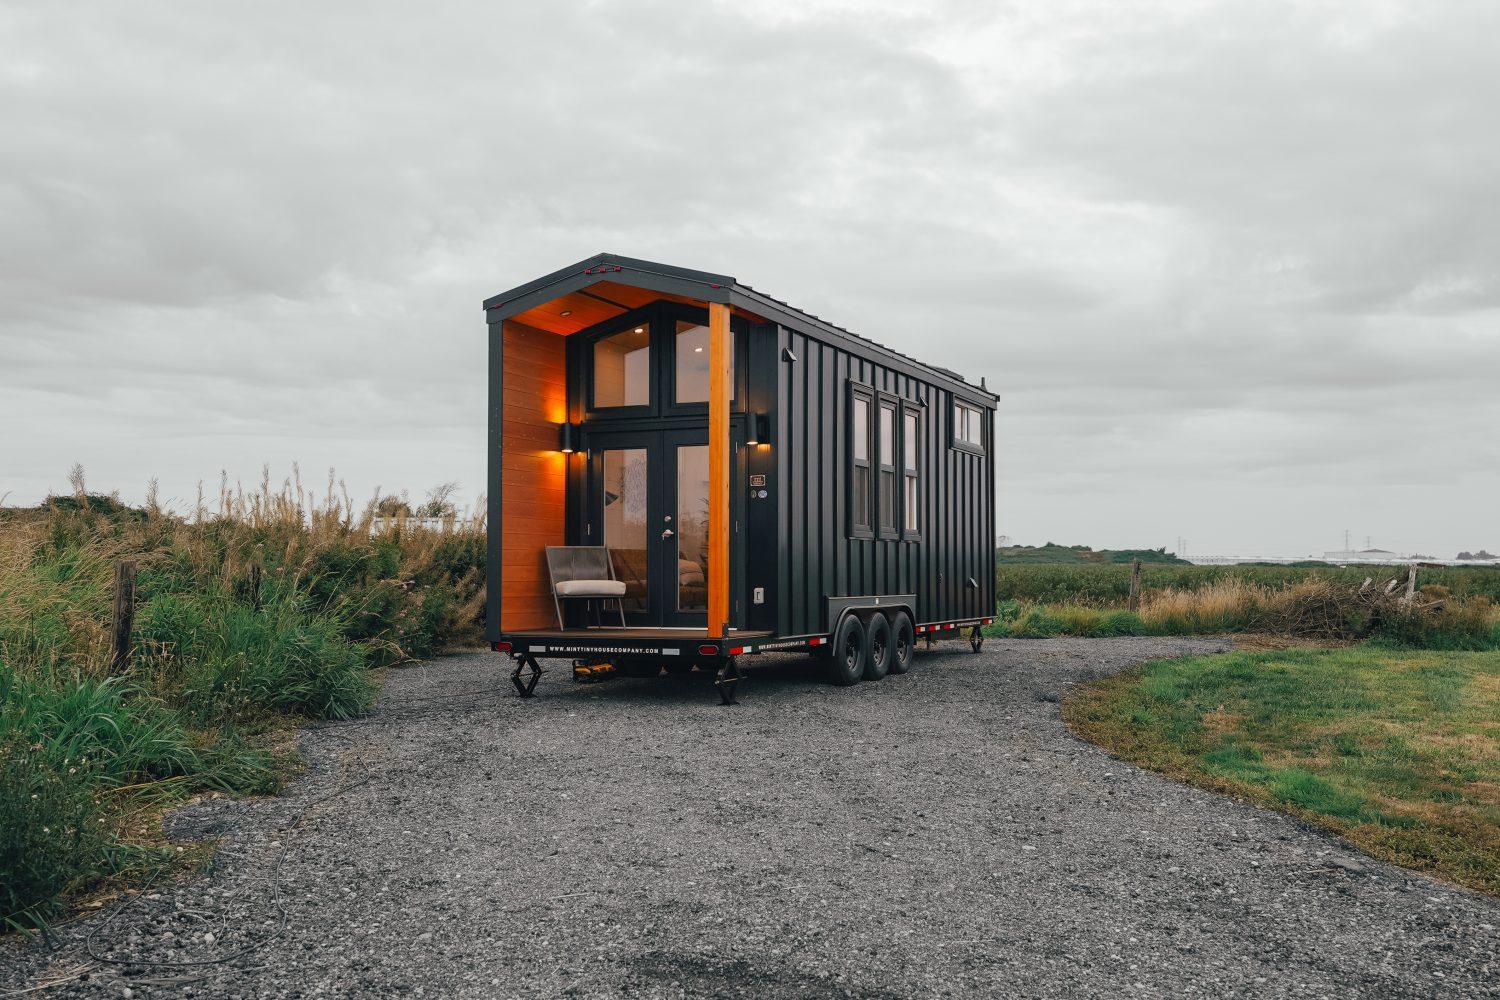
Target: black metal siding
x=815 y=557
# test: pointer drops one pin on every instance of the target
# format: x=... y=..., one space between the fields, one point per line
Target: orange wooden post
x=719 y=392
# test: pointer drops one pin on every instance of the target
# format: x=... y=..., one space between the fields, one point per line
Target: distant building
x=1362 y=555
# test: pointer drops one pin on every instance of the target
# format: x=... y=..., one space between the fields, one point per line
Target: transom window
x=658 y=365
x=690 y=376
x=622 y=368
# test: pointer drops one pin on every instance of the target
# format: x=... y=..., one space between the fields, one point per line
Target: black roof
x=703 y=285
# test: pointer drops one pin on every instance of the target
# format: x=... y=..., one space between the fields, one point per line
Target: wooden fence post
x=1135 y=585
x=1411 y=584
x=255 y=585
x=124 y=617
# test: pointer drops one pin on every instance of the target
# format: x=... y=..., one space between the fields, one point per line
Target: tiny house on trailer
x=684 y=471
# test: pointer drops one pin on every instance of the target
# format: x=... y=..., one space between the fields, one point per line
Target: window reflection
x=622 y=368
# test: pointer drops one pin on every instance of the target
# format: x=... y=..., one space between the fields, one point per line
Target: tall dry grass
x=211 y=662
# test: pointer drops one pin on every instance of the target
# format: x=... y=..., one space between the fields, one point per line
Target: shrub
x=50 y=836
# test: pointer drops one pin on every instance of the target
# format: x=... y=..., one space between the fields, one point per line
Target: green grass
x=1397 y=750
x=90 y=756
x=1097 y=583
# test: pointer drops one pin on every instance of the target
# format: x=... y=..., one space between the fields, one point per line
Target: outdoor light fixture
x=567 y=440
x=760 y=429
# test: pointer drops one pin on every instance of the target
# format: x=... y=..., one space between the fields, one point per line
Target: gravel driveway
x=936 y=834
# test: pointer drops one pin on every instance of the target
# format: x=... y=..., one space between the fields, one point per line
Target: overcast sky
x=1234 y=267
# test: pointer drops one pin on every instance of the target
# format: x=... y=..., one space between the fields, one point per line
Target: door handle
x=666 y=534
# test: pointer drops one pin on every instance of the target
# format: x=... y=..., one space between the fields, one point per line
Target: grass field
x=88 y=756
x=1398 y=750
x=1105 y=584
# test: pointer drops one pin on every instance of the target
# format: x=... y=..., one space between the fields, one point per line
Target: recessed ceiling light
x=640 y=329
x=697 y=350
x=566 y=312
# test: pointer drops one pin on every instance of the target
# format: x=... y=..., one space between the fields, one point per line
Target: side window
x=622 y=368
x=886 y=485
x=911 y=471
x=860 y=473
x=968 y=427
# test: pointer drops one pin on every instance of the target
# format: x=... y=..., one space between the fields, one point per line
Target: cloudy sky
x=1235 y=267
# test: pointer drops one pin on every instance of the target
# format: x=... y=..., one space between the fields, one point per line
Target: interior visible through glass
x=691 y=362
x=692 y=527
x=622 y=368
x=626 y=474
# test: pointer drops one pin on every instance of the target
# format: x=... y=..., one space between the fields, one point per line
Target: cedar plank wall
x=533 y=473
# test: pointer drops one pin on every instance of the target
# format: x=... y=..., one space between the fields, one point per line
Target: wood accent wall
x=720 y=389
x=533 y=473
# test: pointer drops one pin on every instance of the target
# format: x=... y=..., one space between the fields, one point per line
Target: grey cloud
x=1214 y=256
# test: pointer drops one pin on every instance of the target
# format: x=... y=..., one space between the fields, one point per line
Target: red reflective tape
x=736 y=650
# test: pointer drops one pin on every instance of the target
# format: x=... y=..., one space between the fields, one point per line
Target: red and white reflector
x=736 y=650
x=816 y=641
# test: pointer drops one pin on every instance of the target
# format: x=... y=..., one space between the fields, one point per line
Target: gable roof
x=703 y=286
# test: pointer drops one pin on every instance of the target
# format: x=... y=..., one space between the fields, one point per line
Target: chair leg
x=557 y=605
x=620 y=604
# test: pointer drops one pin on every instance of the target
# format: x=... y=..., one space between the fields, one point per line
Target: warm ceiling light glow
x=566 y=312
x=697 y=350
x=640 y=329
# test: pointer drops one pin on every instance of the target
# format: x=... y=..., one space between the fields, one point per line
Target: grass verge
x=222 y=661
x=1396 y=749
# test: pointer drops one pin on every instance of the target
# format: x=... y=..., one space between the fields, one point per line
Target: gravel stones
x=937 y=834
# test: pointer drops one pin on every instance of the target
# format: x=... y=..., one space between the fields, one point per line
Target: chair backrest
x=579 y=562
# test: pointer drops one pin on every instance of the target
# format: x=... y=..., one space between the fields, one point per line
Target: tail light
x=500 y=647
x=707 y=650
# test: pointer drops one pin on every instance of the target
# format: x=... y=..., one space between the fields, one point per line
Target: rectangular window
x=860 y=495
x=886 y=486
x=968 y=426
x=622 y=368
x=690 y=362
x=911 y=439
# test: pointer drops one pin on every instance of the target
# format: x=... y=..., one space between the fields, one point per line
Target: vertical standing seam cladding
x=796 y=543
x=948 y=565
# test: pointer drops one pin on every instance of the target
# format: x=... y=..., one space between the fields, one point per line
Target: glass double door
x=647 y=502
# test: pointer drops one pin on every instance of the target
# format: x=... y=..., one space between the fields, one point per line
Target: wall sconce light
x=567 y=439
x=760 y=429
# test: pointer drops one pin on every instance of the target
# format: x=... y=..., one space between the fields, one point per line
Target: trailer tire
x=847 y=664
x=877 y=647
x=903 y=642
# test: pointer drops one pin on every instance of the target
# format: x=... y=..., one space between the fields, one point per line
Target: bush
x=50 y=836
x=212 y=657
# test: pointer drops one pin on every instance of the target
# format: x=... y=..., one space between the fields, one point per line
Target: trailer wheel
x=903 y=642
x=847 y=664
x=877 y=647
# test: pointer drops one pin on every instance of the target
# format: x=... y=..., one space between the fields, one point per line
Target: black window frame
x=660 y=319
x=603 y=331
x=886 y=403
x=865 y=528
x=954 y=441
x=919 y=411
